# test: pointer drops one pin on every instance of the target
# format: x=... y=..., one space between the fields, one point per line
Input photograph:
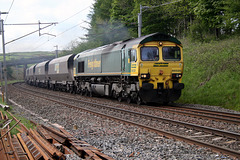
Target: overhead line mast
x=4 y=56
x=4 y=44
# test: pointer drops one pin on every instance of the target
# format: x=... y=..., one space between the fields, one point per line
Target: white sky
x=31 y=11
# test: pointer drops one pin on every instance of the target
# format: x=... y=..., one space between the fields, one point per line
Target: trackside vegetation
x=24 y=121
x=208 y=29
x=212 y=73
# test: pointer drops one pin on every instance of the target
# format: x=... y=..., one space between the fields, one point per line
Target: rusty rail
x=81 y=148
x=40 y=144
x=6 y=142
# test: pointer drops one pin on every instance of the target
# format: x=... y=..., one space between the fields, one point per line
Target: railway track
x=163 y=111
x=218 y=140
x=203 y=113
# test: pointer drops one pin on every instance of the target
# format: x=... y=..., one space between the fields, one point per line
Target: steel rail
x=8 y=148
x=47 y=146
x=216 y=148
x=31 y=139
x=81 y=148
x=197 y=127
x=234 y=121
x=232 y=118
x=207 y=111
x=3 y=155
x=19 y=149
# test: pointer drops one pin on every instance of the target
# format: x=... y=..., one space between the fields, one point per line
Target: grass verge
x=212 y=73
x=24 y=121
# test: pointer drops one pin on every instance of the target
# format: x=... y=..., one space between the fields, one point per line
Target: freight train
x=141 y=70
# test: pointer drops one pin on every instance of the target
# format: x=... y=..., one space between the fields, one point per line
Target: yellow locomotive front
x=160 y=70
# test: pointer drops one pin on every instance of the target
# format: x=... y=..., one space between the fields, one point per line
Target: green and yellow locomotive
x=145 y=69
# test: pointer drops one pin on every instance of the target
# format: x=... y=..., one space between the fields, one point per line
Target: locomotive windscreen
x=149 y=54
x=171 y=53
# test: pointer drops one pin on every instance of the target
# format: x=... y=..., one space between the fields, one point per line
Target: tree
x=115 y=20
x=210 y=13
x=232 y=16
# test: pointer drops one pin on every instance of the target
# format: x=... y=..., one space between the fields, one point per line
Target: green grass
x=10 y=82
x=212 y=73
x=25 y=55
x=24 y=121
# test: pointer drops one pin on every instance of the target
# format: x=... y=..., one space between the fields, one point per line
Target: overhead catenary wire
x=95 y=37
x=66 y=29
x=59 y=34
x=9 y=10
x=74 y=14
x=70 y=17
x=30 y=33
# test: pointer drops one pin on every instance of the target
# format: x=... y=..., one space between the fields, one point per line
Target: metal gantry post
x=56 y=51
x=140 y=19
x=4 y=59
x=140 y=22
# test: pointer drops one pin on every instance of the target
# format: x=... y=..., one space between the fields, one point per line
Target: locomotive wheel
x=114 y=94
x=120 y=98
x=139 y=100
x=165 y=102
x=86 y=93
x=129 y=100
x=81 y=92
x=90 y=94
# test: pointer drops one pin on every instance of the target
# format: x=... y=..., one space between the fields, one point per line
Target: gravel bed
x=117 y=140
x=144 y=109
x=212 y=108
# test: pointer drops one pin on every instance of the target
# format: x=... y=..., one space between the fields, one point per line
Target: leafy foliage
x=201 y=20
x=212 y=68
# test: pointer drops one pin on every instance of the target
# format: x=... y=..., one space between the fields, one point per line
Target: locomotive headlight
x=145 y=76
x=176 y=75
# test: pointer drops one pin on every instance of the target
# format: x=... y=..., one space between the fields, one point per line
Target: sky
x=71 y=16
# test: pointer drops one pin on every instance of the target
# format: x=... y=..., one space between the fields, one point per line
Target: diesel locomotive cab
x=160 y=72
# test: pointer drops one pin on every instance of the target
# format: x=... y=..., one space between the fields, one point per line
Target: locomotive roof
x=158 y=37
x=152 y=37
x=130 y=42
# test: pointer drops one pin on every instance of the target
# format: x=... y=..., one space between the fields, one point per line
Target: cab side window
x=81 y=67
x=133 y=55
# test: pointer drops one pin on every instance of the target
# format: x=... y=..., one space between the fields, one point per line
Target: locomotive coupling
x=178 y=86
